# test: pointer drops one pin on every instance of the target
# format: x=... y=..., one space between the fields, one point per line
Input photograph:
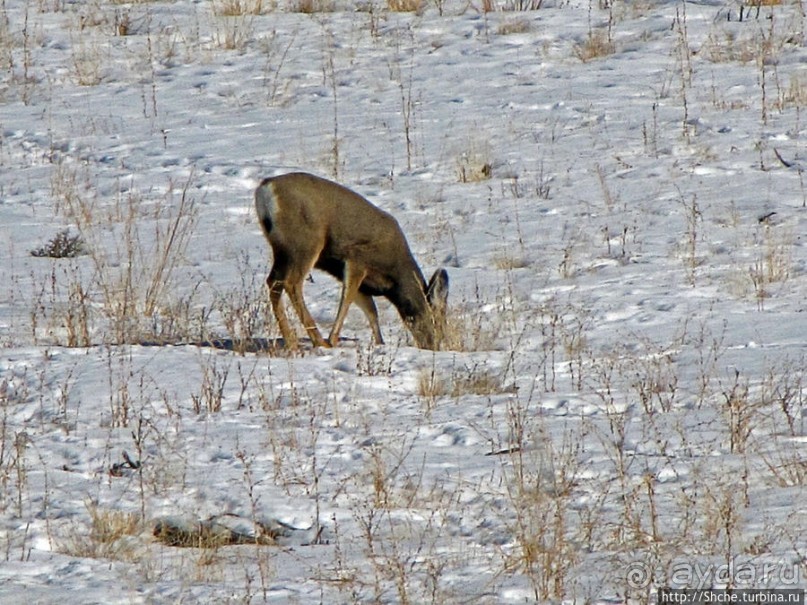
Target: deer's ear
x=437 y=292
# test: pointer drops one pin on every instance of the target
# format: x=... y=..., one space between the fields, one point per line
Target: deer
x=314 y=223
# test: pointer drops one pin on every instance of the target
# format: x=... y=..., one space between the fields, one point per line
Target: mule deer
x=312 y=223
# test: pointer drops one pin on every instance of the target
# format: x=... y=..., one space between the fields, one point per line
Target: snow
x=621 y=406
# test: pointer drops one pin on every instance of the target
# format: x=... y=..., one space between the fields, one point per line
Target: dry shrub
x=473 y=167
x=773 y=262
x=468 y=331
x=505 y=261
x=727 y=47
x=787 y=468
x=477 y=383
x=474 y=381
x=405 y=6
x=310 y=7
x=522 y=5
x=238 y=8
x=474 y=160
x=107 y=538
x=111 y=525
x=134 y=257
x=432 y=386
x=62 y=245
x=796 y=93
x=88 y=61
x=539 y=485
x=598 y=44
x=513 y=26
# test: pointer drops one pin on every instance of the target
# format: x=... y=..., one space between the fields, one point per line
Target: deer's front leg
x=350 y=289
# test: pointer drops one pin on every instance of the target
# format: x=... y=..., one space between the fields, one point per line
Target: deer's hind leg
x=275 y=284
x=285 y=277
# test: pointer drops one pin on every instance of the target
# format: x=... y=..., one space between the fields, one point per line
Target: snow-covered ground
x=617 y=190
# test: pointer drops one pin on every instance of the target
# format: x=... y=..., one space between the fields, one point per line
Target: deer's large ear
x=437 y=292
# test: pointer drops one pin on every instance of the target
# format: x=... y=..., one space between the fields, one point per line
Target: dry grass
x=726 y=46
x=513 y=26
x=107 y=537
x=469 y=331
x=522 y=5
x=540 y=527
x=238 y=8
x=507 y=261
x=133 y=268
x=312 y=7
x=474 y=381
x=234 y=32
x=795 y=95
x=597 y=44
x=474 y=163
x=88 y=60
x=773 y=261
x=405 y=6
x=489 y=6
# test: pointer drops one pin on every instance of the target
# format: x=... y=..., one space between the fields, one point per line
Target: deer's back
x=298 y=210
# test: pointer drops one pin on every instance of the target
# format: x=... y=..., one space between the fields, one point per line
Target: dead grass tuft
x=468 y=331
x=238 y=8
x=405 y=6
x=728 y=47
x=311 y=7
x=513 y=26
x=472 y=381
x=107 y=537
x=598 y=44
x=129 y=275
